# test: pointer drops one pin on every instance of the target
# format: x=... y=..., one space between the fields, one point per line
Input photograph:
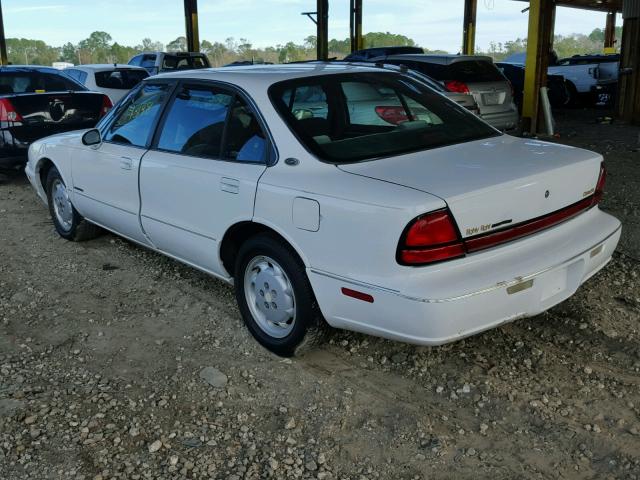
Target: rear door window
x=195 y=122
x=136 y=121
x=120 y=79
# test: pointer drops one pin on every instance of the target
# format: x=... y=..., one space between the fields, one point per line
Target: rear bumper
x=438 y=304
x=12 y=152
x=507 y=120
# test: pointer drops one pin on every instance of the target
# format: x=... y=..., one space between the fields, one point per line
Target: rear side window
x=134 y=124
x=195 y=122
x=120 y=79
x=77 y=75
x=28 y=82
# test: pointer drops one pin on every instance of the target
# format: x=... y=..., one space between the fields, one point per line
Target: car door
x=201 y=174
x=105 y=176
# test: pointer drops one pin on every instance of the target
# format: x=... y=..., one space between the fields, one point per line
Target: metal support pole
x=469 y=27
x=610 y=33
x=629 y=79
x=3 y=41
x=191 y=25
x=539 y=45
x=322 y=19
x=356 y=25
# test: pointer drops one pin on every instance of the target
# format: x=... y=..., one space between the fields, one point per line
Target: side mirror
x=92 y=137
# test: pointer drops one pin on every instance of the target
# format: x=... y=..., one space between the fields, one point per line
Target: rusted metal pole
x=469 y=27
x=191 y=25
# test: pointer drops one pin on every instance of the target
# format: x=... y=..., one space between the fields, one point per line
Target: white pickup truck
x=591 y=77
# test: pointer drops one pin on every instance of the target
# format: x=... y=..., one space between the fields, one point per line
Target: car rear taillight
x=8 y=112
x=456 y=86
x=430 y=238
x=106 y=105
x=392 y=114
x=602 y=180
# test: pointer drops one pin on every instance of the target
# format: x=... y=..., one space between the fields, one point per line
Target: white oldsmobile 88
x=411 y=220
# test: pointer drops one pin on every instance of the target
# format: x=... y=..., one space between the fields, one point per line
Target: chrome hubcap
x=61 y=204
x=270 y=296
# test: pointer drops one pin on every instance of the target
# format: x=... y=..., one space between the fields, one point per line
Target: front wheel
x=68 y=222
x=275 y=297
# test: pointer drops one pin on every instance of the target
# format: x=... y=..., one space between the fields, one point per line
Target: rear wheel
x=68 y=222
x=275 y=297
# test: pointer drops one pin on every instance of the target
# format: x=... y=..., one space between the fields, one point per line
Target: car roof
x=442 y=59
x=261 y=74
x=29 y=68
x=105 y=66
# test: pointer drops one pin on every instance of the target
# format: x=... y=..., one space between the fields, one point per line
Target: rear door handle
x=126 y=163
x=229 y=185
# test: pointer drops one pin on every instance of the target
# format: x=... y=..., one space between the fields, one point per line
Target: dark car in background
x=556 y=85
x=159 y=62
x=36 y=102
x=473 y=75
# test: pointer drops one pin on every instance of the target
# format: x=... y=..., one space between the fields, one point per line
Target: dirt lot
x=102 y=344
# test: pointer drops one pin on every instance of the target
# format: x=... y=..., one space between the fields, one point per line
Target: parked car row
x=337 y=193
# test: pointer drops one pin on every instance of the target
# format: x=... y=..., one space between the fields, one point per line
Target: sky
x=435 y=24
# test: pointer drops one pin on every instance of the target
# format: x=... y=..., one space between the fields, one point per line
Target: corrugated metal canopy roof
x=601 y=5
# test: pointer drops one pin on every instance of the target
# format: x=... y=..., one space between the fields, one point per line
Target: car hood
x=493 y=183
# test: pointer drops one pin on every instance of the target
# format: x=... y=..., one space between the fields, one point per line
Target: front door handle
x=126 y=163
x=229 y=185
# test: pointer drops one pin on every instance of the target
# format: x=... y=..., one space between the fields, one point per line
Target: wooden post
x=3 y=41
x=322 y=21
x=610 y=33
x=629 y=80
x=539 y=46
x=355 y=23
x=469 y=27
x=191 y=25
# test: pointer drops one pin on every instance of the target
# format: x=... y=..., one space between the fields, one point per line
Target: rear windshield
x=178 y=62
x=120 y=79
x=29 y=82
x=468 y=71
x=352 y=117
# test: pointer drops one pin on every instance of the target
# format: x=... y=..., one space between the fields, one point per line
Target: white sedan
x=414 y=230
x=112 y=79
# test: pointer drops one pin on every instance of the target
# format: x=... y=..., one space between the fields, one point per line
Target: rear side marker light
x=456 y=86
x=392 y=114
x=602 y=180
x=365 y=297
x=106 y=105
x=8 y=112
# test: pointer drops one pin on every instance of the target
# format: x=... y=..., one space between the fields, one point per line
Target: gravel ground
x=116 y=362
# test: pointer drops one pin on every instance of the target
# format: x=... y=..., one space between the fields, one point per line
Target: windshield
x=351 y=117
x=38 y=82
x=120 y=79
x=184 y=62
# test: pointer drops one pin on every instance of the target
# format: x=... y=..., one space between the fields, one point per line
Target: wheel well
x=238 y=234
x=45 y=165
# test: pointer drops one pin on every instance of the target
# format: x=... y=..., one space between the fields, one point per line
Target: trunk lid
x=45 y=114
x=492 y=97
x=493 y=183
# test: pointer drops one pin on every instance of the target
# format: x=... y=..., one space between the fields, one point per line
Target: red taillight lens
x=106 y=105
x=456 y=86
x=8 y=112
x=431 y=238
x=392 y=114
x=602 y=180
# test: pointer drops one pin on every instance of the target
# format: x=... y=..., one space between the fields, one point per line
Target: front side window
x=134 y=125
x=370 y=115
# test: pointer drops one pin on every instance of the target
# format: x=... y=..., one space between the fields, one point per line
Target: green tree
x=177 y=45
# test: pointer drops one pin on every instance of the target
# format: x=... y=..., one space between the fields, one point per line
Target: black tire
x=574 y=97
x=80 y=228
x=309 y=327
